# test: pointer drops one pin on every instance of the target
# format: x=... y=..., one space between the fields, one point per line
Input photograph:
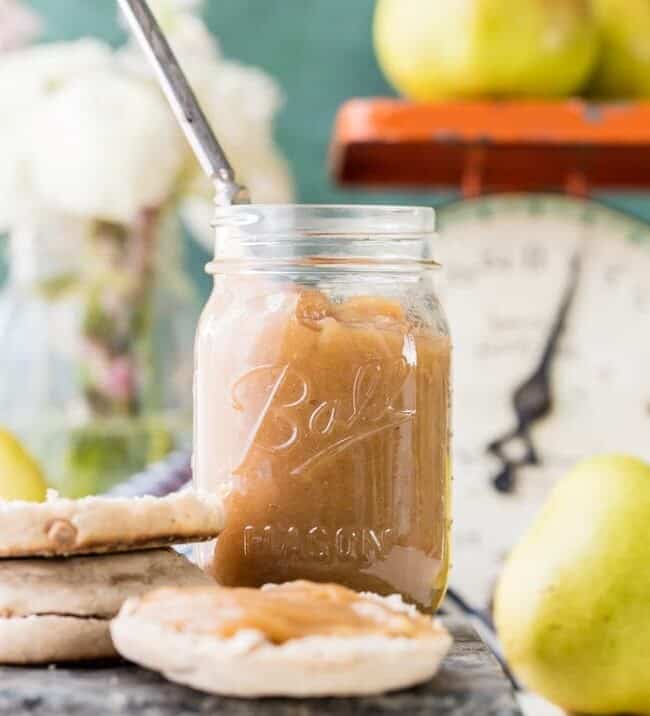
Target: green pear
x=440 y=49
x=20 y=475
x=572 y=606
x=623 y=69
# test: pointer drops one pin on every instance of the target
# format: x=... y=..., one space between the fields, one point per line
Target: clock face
x=510 y=264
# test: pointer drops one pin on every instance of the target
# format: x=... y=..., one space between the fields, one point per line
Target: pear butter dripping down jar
x=322 y=399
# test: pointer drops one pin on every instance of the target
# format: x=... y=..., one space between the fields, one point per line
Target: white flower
x=241 y=103
x=26 y=77
x=195 y=46
x=170 y=12
x=105 y=145
x=87 y=132
x=19 y=25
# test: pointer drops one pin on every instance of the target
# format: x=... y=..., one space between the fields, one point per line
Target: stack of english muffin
x=86 y=579
x=67 y=566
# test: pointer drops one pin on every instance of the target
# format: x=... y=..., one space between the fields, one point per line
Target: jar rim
x=328 y=220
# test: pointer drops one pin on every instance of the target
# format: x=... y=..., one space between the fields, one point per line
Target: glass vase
x=96 y=323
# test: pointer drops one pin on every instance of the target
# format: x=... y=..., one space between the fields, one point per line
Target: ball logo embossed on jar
x=322 y=400
x=288 y=415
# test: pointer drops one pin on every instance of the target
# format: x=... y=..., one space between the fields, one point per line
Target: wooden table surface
x=469 y=682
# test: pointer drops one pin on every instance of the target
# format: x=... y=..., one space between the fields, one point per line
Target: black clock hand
x=533 y=399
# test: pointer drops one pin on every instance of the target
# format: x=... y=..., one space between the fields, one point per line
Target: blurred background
x=274 y=75
x=321 y=54
x=107 y=217
x=528 y=129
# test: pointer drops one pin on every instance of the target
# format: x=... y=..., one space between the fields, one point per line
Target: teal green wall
x=319 y=50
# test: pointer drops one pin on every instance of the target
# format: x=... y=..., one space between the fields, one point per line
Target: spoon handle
x=183 y=101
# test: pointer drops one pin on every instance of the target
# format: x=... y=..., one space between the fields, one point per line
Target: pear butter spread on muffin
x=298 y=639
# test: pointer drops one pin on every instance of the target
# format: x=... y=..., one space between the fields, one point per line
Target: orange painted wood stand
x=571 y=146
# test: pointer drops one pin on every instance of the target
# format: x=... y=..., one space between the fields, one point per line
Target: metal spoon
x=184 y=103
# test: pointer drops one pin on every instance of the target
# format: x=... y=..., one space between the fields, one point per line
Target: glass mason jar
x=322 y=400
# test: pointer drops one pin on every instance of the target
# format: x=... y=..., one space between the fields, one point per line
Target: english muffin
x=97 y=525
x=299 y=639
x=60 y=609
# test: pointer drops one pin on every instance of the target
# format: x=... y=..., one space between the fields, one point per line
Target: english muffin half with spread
x=299 y=639
x=96 y=525
x=60 y=609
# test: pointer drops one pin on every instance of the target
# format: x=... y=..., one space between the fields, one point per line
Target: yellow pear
x=572 y=606
x=623 y=69
x=20 y=475
x=441 y=49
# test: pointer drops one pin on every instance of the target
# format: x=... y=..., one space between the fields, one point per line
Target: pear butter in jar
x=322 y=400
